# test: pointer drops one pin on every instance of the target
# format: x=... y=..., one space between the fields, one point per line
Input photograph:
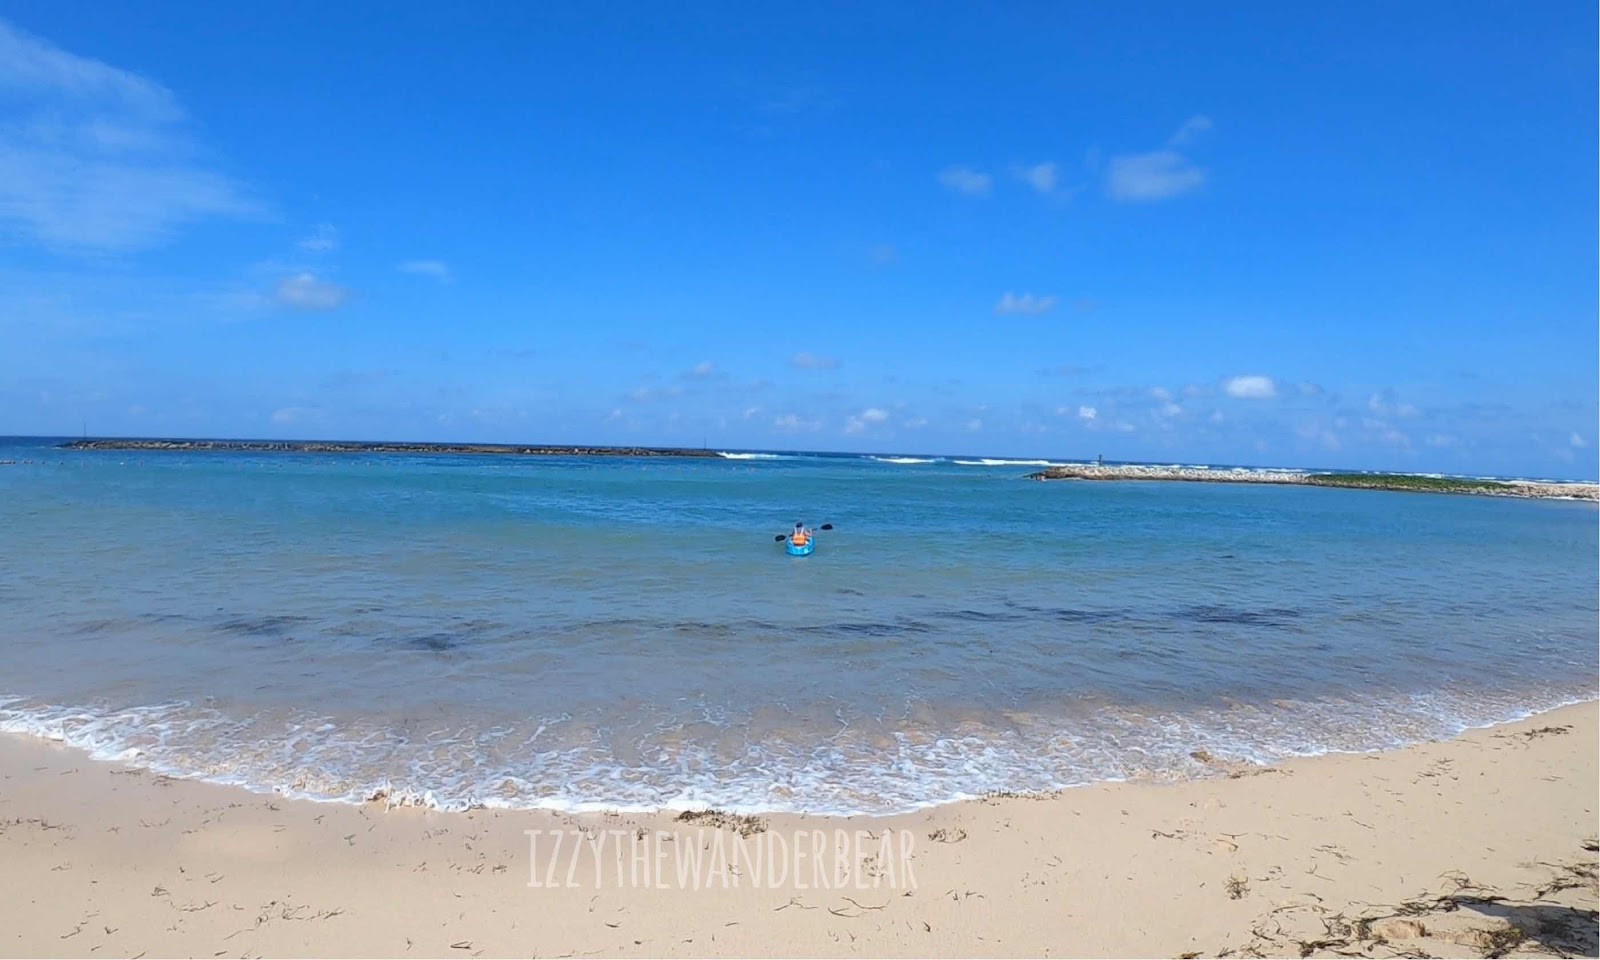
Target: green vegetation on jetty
x=1358 y=481
x=1403 y=481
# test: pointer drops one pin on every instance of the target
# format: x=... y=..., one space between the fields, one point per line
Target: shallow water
x=577 y=633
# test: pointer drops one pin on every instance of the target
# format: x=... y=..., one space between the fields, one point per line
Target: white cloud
x=1441 y=440
x=966 y=180
x=1169 y=409
x=915 y=423
x=790 y=423
x=812 y=361
x=869 y=417
x=97 y=158
x=306 y=291
x=704 y=370
x=1157 y=175
x=1577 y=441
x=1252 y=387
x=1190 y=129
x=437 y=269
x=323 y=239
x=1386 y=404
x=1039 y=176
x=1161 y=393
x=1087 y=414
x=1027 y=304
x=974 y=425
x=751 y=413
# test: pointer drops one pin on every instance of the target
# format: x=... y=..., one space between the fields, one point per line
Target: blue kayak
x=794 y=551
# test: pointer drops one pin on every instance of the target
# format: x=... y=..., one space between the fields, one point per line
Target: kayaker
x=801 y=535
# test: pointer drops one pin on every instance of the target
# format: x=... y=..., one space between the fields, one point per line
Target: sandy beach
x=1480 y=845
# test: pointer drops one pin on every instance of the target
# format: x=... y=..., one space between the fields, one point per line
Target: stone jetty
x=1408 y=482
x=342 y=446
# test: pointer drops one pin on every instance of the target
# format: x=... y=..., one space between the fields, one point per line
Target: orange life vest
x=798 y=539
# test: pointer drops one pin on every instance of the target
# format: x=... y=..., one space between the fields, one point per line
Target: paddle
x=784 y=536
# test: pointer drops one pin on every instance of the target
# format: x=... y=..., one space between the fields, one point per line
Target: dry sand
x=1476 y=846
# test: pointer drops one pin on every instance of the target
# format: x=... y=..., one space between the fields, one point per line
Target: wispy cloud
x=792 y=423
x=97 y=158
x=1321 y=434
x=1251 y=387
x=1189 y=130
x=1027 y=303
x=1040 y=176
x=812 y=361
x=287 y=415
x=1087 y=414
x=1156 y=175
x=1070 y=370
x=870 y=417
x=307 y=291
x=966 y=180
x=652 y=393
x=704 y=370
x=436 y=269
x=1576 y=440
x=1386 y=403
x=323 y=239
x=1386 y=433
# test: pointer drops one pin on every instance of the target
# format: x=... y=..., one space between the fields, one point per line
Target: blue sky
x=1337 y=234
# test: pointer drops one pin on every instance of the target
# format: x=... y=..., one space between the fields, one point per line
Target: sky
x=1335 y=234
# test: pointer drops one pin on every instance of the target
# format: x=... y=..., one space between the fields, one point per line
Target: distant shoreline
x=1404 y=482
x=376 y=446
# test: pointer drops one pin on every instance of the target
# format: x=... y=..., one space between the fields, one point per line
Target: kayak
x=794 y=551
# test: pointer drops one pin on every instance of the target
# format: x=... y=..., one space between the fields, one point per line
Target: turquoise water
x=581 y=633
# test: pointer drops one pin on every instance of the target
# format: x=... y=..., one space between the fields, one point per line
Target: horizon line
x=1020 y=460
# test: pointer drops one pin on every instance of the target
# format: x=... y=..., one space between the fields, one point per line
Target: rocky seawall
x=1361 y=481
x=341 y=446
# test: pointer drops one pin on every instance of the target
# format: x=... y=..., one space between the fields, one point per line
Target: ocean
x=591 y=633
